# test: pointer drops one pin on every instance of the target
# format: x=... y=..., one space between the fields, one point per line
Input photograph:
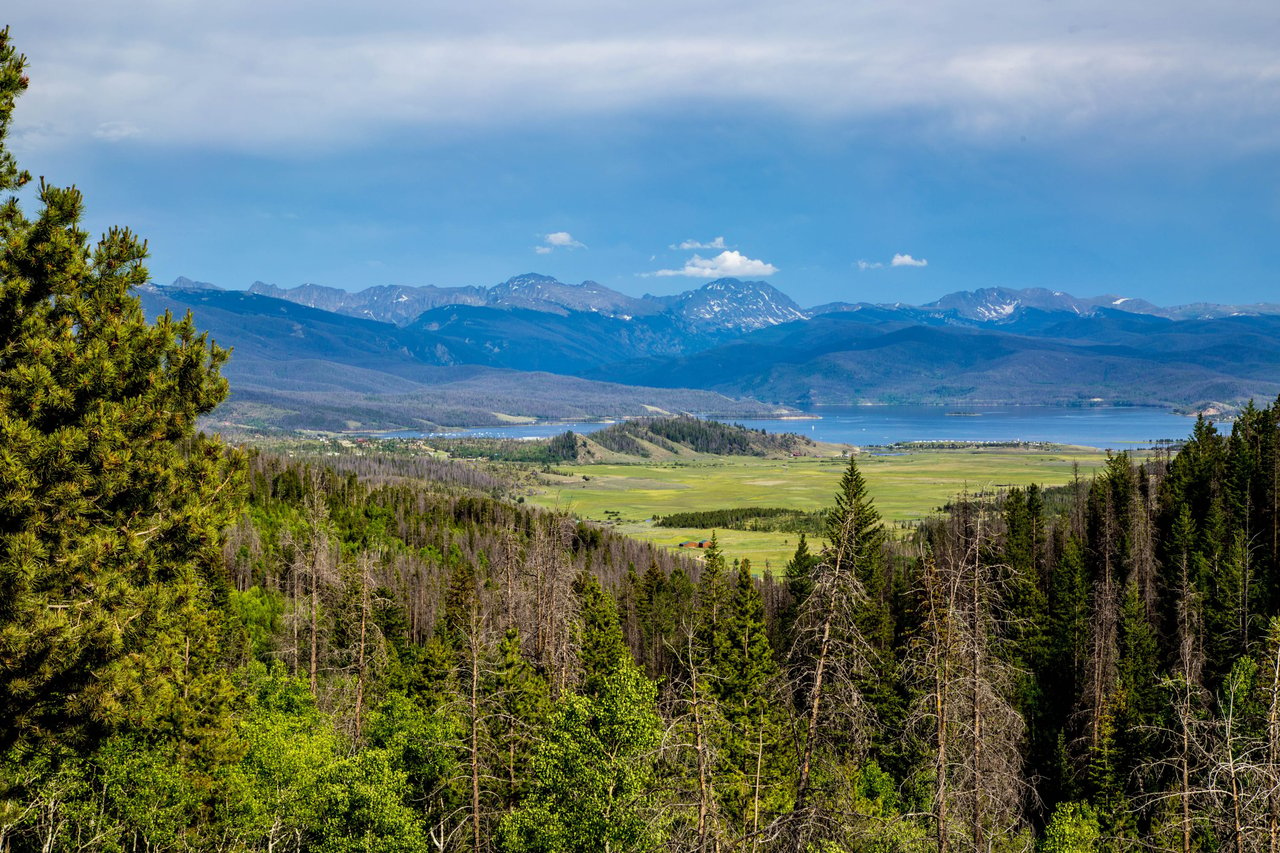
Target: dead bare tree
x=1270 y=689
x=552 y=605
x=972 y=727
x=828 y=657
x=695 y=718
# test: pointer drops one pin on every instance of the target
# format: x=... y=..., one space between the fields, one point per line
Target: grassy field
x=906 y=486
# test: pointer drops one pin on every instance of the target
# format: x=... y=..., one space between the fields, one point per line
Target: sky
x=838 y=149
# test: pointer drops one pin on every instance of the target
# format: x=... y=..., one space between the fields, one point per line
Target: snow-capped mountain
x=386 y=303
x=542 y=293
x=722 y=305
x=728 y=303
x=993 y=304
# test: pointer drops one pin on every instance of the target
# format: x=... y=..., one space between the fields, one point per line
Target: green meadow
x=907 y=486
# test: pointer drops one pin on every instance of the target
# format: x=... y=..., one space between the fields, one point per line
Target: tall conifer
x=110 y=504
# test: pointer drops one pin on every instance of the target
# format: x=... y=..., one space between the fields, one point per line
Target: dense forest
x=205 y=648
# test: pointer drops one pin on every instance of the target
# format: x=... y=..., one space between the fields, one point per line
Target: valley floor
x=906 y=485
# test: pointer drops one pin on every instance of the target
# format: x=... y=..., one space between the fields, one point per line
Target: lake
x=1113 y=428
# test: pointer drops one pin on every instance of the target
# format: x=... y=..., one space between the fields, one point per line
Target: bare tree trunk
x=318 y=547
x=1273 y=745
x=295 y=661
x=363 y=567
x=815 y=700
x=700 y=746
x=974 y=730
x=978 y=643
x=940 y=624
x=474 y=702
x=755 y=796
x=1186 y=788
x=315 y=623
x=1190 y=663
x=509 y=575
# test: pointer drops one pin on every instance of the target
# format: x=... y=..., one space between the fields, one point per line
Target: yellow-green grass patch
x=906 y=487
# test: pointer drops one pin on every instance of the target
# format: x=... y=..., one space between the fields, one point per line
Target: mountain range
x=723 y=305
x=534 y=347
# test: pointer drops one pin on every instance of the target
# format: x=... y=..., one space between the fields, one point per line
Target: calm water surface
x=1117 y=428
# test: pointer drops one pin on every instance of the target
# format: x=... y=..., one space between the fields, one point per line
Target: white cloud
x=899 y=260
x=562 y=240
x=542 y=250
x=717 y=243
x=908 y=261
x=725 y=264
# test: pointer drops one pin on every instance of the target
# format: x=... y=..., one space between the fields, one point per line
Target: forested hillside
x=685 y=434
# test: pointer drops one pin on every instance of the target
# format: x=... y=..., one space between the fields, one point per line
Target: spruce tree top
x=854 y=531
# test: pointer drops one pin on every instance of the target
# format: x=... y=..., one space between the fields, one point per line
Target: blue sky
x=1083 y=146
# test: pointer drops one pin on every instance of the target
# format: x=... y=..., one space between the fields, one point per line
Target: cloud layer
x=729 y=264
x=237 y=74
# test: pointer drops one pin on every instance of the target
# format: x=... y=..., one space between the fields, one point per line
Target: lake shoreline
x=1114 y=427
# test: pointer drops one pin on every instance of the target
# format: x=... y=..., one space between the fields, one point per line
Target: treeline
x=777 y=519
x=1110 y=670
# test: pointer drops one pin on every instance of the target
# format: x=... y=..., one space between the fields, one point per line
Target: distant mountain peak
x=184 y=283
x=729 y=303
x=995 y=304
x=532 y=278
x=539 y=292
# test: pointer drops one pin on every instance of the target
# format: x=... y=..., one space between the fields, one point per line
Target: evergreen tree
x=1067 y=651
x=714 y=592
x=521 y=699
x=743 y=680
x=799 y=579
x=656 y=615
x=1138 y=695
x=111 y=505
x=602 y=650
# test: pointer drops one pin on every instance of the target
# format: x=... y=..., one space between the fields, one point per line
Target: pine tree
x=799 y=579
x=111 y=505
x=1067 y=651
x=655 y=613
x=964 y=681
x=744 y=685
x=521 y=700
x=602 y=650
